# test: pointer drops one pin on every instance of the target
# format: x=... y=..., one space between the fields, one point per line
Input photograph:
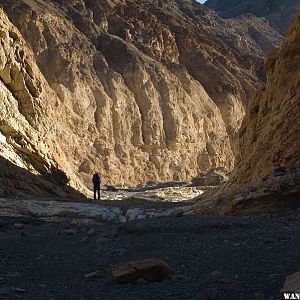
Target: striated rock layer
x=267 y=170
x=138 y=90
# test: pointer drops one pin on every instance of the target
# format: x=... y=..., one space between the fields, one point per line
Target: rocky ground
x=209 y=257
x=48 y=249
x=118 y=206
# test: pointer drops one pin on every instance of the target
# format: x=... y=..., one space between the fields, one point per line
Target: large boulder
x=148 y=269
x=212 y=178
x=198 y=181
x=216 y=177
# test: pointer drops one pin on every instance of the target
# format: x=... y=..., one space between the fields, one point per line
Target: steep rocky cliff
x=139 y=90
x=266 y=176
x=31 y=158
x=270 y=133
x=278 y=12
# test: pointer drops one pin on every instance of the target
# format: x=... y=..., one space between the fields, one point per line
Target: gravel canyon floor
x=210 y=257
x=148 y=91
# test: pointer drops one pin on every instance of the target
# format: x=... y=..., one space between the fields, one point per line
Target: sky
x=201 y=1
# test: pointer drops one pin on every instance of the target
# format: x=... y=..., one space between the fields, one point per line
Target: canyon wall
x=266 y=176
x=270 y=133
x=137 y=90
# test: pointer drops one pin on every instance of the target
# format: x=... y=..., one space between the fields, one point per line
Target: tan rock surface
x=267 y=172
x=139 y=90
x=28 y=137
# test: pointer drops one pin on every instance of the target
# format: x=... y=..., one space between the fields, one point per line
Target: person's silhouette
x=96 y=183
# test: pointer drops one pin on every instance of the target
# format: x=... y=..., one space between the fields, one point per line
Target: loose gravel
x=210 y=258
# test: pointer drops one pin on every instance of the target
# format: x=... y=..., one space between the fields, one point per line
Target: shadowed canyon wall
x=278 y=12
x=266 y=176
x=270 y=133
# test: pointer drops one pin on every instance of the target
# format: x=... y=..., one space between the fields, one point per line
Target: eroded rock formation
x=138 y=90
x=31 y=159
x=267 y=172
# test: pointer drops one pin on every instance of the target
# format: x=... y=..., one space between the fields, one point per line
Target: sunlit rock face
x=277 y=12
x=137 y=90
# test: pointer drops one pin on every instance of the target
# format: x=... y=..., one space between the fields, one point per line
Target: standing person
x=96 y=183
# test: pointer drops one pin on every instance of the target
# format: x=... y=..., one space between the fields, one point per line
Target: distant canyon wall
x=278 y=12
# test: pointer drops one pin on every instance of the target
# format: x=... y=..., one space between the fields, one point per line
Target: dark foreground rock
x=153 y=270
x=292 y=283
x=210 y=257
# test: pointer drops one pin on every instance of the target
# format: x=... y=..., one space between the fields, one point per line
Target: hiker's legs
x=95 y=189
x=98 y=192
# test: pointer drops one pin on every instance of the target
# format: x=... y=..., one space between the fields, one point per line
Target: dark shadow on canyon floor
x=18 y=182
